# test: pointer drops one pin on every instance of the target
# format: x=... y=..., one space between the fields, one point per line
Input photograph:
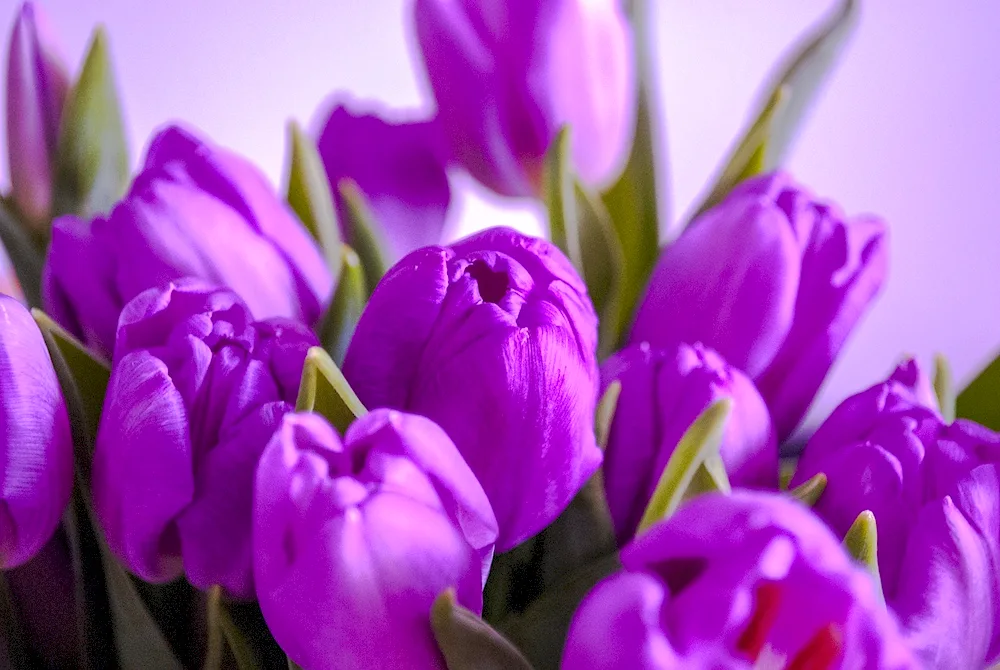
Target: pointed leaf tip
x=699 y=445
x=861 y=542
x=325 y=390
x=469 y=643
x=808 y=492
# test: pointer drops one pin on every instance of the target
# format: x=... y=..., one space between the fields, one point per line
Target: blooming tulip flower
x=751 y=580
x=37 y=86
x=36 y=448
x=400 y=169
x=354 y=540
x=772 y=279
x=662 y=393
x=934 y=489
x=508 y=75
x=197 y=388
x=194 y=210
x=494 y=339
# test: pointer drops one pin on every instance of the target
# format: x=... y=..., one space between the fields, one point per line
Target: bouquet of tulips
x=244 y=430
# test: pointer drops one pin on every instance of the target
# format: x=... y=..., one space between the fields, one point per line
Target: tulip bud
x=934 y=490
x=400 y=169
x=494 y=339
x=358 y=539
x=197 y=388
x=773 y=280
x=508 y=75
x=37 y=86
x=662 y=393
x=751 y=580
x=36 y=449
x=194 y=210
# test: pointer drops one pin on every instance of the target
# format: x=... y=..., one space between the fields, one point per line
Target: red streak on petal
x=767 y=598
x=822 y=651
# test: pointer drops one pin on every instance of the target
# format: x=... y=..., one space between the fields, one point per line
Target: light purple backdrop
x=908 y=127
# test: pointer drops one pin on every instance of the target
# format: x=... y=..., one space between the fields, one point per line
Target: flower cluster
x=249 y=431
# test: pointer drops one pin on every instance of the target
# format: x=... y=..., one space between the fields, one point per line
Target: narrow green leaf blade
x=25 y=256
x=606 y=413
x=602 y=263
x=560 y=198
x=363 y=233
x=944 y=388
x=469 y=643
x=310 y=197
x=345 y=310
x=631 y=204
x=700 y=442
x=746 y=159
x=220 y=618
x=861 y=542
x=92 y=163
x=809 y=491
x=324 y=390
x=89 y=373
x=980 y=400
x=792 y=91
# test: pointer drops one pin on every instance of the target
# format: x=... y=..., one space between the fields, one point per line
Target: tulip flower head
x=493 y=338
x=197 y=389
x=354 y=539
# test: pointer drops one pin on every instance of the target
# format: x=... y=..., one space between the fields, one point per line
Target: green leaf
x=363 y=233
x=861 y=542
x=84 y=379
x=944 y=388
x=809 y=491
x=631 y=204
x=700 y=442
x=469 y=643
x=602 y=263
x=540 y=630
x=24 y=255
x=222 y=625
x=790 y=94
x=605 y=413
x=708 y=478
x=560 y=198
x=310 y=198
x=746 y=159
x=980 y=400
x=345 y=310
x=92 y=168
x=324 y=390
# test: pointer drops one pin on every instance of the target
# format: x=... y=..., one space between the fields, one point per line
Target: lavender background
x=907 y=127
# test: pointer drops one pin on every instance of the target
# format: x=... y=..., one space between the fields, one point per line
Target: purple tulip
x=36 y=476
x=356 y=539
x=494 y=339
x=934 y=490
x=194 y=210
x=508 y=75
x=772 y=279
x=751 y=580
x=37 y=86
x=663 y=392
x=399 y=167
x=197 y=389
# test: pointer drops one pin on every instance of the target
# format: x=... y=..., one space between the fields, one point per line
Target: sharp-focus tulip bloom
x=494 y=339
x=772 y=279
x=37 y=85
x=751 y=580
x=662 y=393
x=508 y=75
x=354 y=540
x=197 y=389
x=400 y=169
x=36 y=450
x=194 y=210
x=935 y=493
